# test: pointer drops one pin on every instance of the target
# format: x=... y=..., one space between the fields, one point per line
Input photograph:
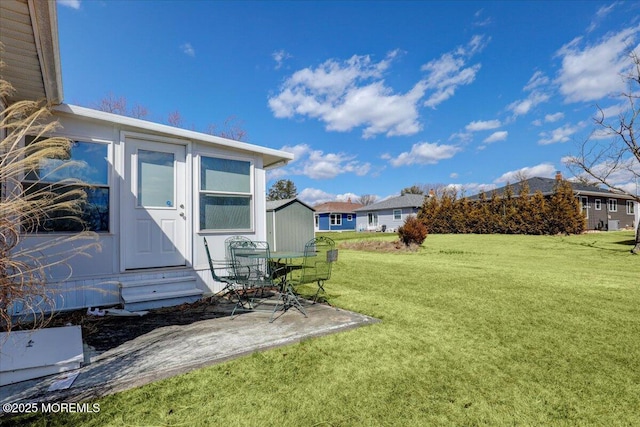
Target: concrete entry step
x=153 y=293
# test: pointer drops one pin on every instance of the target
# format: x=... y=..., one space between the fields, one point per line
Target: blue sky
x=372 y=97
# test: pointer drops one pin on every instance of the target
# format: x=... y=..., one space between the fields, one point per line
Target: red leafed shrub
x=412 y=231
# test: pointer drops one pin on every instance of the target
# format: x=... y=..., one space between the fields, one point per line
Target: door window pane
x=155 y=179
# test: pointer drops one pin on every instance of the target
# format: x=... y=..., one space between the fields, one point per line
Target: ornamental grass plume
x=24 y=208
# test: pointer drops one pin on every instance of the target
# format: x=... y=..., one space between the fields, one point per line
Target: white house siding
x=94 y=281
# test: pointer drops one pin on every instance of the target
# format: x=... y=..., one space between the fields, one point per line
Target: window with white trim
x=630 y=207
x=397 y=214
x=336 y=219
x=226 y=201
x=613 y=205
x=597 y=204
x=85 y=161
x=317 y=220
x=349 y=217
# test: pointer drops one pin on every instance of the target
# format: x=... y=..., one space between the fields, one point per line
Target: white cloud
x=280 y=56
x=74 y=4
x=314 y=196
x=552 y=118
x=601 y=14
x=453 y=175
x=496 y=136
x=315 y=164
x=483 y=125
x=594 y=72
x=560 y=134
x=449 y=71
x=350 y=94
x=424 y=153
x=187 y=49
x=523 y=106
x=536 y=81
x=544 y=170
x=623 y=174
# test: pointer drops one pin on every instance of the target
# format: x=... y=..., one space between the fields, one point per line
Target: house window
x=372 y=219
x=317 y=220
x=87 y=162
x=225 y=194
x=584 y=205
x=397 y=214
x=349 y=217
x=336 y=219
x=613 y=205
x=630 y=207
x=597 y=204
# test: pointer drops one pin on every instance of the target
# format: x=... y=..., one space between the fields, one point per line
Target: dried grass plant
x=23 y=207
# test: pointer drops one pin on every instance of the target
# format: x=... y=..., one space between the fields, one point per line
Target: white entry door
x=153 y=214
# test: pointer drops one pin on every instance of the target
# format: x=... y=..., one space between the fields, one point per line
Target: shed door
x=153 y=214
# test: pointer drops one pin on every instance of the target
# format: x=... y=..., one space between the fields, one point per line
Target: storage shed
x=289 y=225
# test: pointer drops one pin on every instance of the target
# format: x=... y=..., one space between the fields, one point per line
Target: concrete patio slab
x=174 y=350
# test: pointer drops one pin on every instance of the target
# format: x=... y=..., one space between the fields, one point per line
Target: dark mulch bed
x=107 y=332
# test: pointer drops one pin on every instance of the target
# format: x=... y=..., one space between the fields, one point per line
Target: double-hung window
x=630 y=207
x=86 y=167
x=336 y=219
x=397 y=214
x=598 y=204
x=613 y=205
x=226 y=201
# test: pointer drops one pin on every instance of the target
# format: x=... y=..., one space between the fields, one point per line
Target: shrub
x=412 y=231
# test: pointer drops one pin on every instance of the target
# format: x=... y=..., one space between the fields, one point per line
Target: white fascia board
x=44 y=22
x=272 y=158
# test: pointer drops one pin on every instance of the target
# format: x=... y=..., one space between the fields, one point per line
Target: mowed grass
x=476 y=330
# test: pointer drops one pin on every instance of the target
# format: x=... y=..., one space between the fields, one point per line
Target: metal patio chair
x=254 y=272
x=319 y=255
x=222 y=271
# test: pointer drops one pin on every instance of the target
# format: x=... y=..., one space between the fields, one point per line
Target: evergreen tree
x=282 y=189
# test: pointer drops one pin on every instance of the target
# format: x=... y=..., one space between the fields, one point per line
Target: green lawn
x=476 y=330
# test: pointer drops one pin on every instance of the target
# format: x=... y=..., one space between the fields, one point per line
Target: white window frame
x=584 y=205
x=597 y=204
x=397 y=214
x=630 y=207
x=108 y=185
x=249 y=194
x=372 y=219
x=316 y=219
x=349 y=217
x=612 y=205
x=335 y=219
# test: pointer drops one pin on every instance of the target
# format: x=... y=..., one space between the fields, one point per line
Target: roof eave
x=271 y=158
x=44 y=21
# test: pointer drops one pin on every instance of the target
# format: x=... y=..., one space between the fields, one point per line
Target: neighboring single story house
x=388 y=214
x=289 y=225
x=603 y=209
x=336 y=216
x=155 y=192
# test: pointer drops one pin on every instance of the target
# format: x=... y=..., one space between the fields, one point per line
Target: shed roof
x=546 y=187
x=337 y=207
x=406 y=201
x=274 y=205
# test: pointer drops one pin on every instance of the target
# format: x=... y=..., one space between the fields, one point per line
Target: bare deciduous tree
x=231 y=129
x=612 y=153
x=367 y=199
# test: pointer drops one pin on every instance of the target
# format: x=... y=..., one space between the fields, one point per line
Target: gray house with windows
x=389 y=214
x=603 y=209
x=153 y=191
